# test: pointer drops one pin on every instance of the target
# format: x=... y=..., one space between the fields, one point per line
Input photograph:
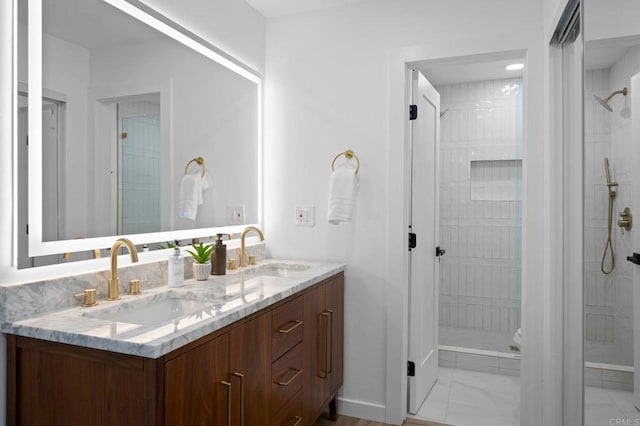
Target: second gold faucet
x=243 y=257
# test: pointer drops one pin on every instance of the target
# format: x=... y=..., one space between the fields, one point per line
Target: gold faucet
x=113 y=289
x=243 y=260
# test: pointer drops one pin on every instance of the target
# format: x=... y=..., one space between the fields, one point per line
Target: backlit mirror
x=130 y=131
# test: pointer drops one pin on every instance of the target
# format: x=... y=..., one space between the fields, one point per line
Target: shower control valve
x=626 y=220
x=634 y=259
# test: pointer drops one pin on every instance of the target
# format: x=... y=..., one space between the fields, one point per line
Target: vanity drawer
x=290 y=414
x=286 y=327
x=286 y=377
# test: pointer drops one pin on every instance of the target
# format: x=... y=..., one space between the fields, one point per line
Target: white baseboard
x=361 y=409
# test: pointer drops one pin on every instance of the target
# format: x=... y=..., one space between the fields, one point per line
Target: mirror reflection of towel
x=190 y=195
x=342 y=194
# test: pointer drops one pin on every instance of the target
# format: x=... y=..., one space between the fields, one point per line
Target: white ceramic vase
x=201 y=271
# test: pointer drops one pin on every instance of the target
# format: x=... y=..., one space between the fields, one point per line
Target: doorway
x=480 y=226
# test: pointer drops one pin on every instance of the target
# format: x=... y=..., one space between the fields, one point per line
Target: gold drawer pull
x=298 y=420
x=290 y=329
x=288 y=382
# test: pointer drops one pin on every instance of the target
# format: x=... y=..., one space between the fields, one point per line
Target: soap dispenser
x=219 y=257
x=176 y=269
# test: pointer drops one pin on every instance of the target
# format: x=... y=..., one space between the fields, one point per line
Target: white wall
x=327 y=89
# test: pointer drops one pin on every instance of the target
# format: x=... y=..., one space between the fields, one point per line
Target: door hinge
x=411 y=368
x=412 y=240
x=413 y=112
x=27 y=229
x=440 y=251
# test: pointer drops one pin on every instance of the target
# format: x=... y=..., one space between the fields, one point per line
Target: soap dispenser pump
x=219 y=257
x=176 y=269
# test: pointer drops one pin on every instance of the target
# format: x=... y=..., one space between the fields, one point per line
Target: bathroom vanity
x=259 y=347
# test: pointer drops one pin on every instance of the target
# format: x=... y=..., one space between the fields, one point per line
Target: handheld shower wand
x=612 y=187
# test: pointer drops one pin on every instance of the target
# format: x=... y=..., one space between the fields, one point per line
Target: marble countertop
x=163 y=319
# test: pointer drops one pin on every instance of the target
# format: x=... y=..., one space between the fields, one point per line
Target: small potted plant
x=201 y=260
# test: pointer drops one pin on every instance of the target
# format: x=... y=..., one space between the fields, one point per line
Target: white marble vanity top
x=133 y=326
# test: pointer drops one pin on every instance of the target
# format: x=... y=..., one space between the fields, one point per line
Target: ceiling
x=276 y=8
x=470 y=71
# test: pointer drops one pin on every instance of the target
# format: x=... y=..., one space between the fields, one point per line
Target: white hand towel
x=342 y=194
x=190 y=196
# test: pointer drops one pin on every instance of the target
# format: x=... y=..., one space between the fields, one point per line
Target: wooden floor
x=352 y=421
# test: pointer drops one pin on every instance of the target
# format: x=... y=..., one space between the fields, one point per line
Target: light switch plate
x=235 y=215
x=305 y=215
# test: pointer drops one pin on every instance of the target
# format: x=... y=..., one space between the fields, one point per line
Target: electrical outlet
x=305 y=215
x=235 y=215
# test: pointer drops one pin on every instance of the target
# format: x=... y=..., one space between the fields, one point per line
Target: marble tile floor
x=465 y=398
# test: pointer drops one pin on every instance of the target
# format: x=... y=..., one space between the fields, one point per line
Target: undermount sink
x=154 y=312
x=283 y=269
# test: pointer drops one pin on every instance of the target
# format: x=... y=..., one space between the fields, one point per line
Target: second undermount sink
x=156 y=311
x=283 y=269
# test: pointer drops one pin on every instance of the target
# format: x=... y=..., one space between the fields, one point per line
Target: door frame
x=400 y=62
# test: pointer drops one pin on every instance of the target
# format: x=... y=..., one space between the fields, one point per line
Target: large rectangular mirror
x=137 y=129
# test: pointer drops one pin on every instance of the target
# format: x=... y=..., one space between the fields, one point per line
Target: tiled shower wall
x=481 y=207
x=608 y=298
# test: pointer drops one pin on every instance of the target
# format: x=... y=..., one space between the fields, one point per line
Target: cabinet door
x=324 y=313
x=315 y=341
x=197 y=387
x=335 y=307
x=250 y=371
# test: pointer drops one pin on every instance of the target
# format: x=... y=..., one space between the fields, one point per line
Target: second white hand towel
x=342 y=194
x=190 y=196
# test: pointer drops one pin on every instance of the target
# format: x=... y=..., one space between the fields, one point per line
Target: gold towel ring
x=348 y=154
x=199 y=161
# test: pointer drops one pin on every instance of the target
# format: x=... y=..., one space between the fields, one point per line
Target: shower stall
x=480 y=224
x=608 y=277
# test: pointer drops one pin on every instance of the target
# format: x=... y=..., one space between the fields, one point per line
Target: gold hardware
x=231 y=264
x=113 y=288
x=330 y=355
x=241 y=396
x=88 y=297
x=626 y=220
x=123 y=135
x=252 y=260
x=228 y=385
x=325 y=372
x=298 y=420
x=288 y=382
x=248 y=229
x=348 y=154
x=197 y=160
x=297 y=324
x=134 y=286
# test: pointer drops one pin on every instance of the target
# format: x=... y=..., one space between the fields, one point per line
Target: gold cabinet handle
x=288 y=382
x=298 y=420
x=297 y=324
x=324 y=372
x=228 y=385
x=330 y=338
x=241 y=396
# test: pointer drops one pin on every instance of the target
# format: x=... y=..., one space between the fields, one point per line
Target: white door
x=635 y=205
x=424 y=222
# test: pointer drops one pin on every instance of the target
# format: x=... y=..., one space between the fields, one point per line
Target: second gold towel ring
x=199 y=161
x=348 y=154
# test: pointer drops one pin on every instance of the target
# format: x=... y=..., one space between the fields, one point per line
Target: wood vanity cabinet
x=279 y=366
